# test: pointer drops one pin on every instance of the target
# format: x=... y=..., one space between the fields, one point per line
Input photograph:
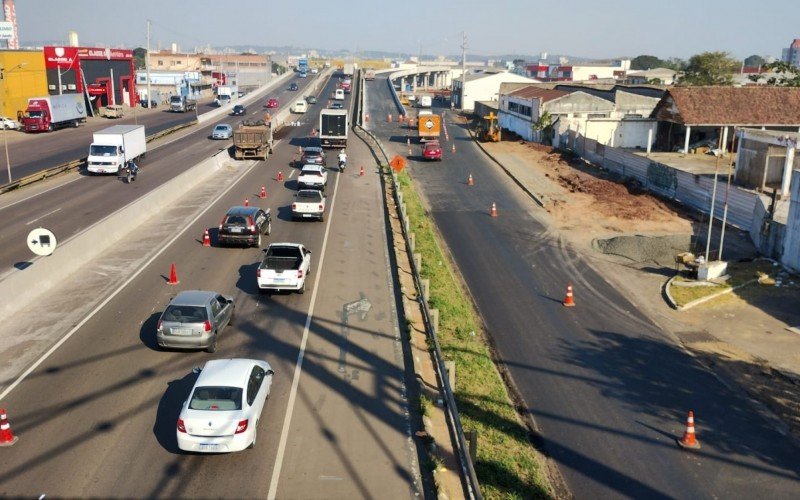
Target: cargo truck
x=333 y=127
x=349 y=69
x=253 y=140
x=369 y=75
x=45 y=114
x=112 y=147
x=429 y=127
x=181 y=104
x=226 y=94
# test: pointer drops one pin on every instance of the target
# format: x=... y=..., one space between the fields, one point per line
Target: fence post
x=434 y=319
x=450 y=366
x=425 y=284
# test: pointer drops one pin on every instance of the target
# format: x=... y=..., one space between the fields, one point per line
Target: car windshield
x=185 y=314
x=98 y=150
x=35 y=114
x=221 y=128
x=216 y=398
x=175 y=99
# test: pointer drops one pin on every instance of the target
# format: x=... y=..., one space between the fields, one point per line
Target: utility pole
x=463 y=68
x=147 y=65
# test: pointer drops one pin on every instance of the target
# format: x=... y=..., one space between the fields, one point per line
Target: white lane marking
x=287 y=420
x=119 y=289
x=291 y=174
x=43 y=216
x=38 y=194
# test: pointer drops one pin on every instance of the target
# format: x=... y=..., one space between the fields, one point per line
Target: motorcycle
x=128 y=172
x=342 y=165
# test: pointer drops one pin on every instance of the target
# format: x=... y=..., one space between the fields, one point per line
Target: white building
x=659 y=76
x=482 y=87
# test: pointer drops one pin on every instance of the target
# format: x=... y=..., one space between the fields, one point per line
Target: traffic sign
x=42 y=241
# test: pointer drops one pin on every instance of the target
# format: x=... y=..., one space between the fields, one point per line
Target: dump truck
x=253 y=140
x=333 y=126
x=429 y=127
x=181 y=104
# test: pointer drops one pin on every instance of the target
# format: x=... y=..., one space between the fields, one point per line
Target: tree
x=710 y=68
x=646 y=62
x=139 y=57
x=754 y=61
x=784 y=74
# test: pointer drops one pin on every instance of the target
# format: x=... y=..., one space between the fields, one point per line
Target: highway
x=607 y=389
x=96 y=418
x=70 y=203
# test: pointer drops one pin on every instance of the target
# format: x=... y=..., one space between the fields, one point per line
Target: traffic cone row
x=7 y=438
x=569 y=300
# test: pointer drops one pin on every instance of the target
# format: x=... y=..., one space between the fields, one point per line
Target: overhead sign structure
x=6 y=30
x=42 y=241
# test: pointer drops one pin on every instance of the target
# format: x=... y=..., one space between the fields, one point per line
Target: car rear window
x=310 y=196
x=185 y=314
x=216 y=398
x=236 y=220
x=315 y=173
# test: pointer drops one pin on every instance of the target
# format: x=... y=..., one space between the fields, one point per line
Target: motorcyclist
x=133 y=168
x=342 y=160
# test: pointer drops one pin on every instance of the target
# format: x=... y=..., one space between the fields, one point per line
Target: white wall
x=616 y=133
x=488 y=88
x=516 y=124
x=791 y=240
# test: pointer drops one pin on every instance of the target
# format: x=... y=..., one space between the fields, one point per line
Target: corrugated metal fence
x=686 y=188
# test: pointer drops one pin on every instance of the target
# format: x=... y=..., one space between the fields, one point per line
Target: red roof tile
x=544 y=94
x=752 y=105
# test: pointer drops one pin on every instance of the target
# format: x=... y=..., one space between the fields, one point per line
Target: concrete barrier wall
x=252 y=96
x=23 y=287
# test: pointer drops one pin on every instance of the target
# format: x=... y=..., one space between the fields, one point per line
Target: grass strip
x=506 y=465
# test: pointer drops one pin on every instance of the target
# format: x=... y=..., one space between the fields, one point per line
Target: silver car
x=222 y=131
x=193 y=320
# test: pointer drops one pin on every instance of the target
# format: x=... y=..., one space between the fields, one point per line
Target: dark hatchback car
x=313 y=155
x=293 y=87
x=244 y=226
x=238 y=110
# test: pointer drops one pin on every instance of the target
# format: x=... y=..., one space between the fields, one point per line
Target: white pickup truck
x=309 y=204
x=312 y=177
x=285 y=267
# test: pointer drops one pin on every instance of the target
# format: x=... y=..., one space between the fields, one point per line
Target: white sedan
x=8 y=123
x=224 y=407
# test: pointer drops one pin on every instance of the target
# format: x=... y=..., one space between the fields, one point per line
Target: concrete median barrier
x=23 y=287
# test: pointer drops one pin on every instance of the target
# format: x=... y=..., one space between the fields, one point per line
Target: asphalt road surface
x=607 y=388
x=97 y=417
x=68 y=204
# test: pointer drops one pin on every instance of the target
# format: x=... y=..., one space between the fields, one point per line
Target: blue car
x=222 y=131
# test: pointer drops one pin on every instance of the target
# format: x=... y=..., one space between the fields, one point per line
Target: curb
x=701 y=300
x=519 y=183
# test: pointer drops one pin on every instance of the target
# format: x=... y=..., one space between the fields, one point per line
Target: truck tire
x=49 y=127
x=75 y=123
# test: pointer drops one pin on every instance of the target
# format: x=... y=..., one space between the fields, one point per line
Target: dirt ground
x=584 y=204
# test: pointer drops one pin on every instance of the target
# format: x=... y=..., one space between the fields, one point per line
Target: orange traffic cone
x=361 y=172
x=173 y=275
x=400 y=118
x=689 y=439
x=206 y=239
x=454 y=147
x=263 y=192
x=366 y=117
x=493 y=212
x=389 y=118
x=7 y=438
x=280 y=176
x=408 y=141
x=569 y=300
x=246 y=202
x=470 y=182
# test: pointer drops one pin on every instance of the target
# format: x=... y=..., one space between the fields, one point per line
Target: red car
x=272 y=103
x=432 y=151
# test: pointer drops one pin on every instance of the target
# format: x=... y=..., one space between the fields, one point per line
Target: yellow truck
x=429 y=126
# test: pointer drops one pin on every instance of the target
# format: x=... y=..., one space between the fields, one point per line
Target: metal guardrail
x=454 y=419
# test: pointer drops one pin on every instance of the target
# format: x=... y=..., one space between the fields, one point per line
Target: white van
x=424 y=101
x=339 y=95
x=299 y=107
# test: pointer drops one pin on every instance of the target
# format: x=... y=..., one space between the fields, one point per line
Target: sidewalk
x=746 y=335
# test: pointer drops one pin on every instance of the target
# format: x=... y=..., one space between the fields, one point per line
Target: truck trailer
x=112 y=147
x=333 y=128
x=181 y=104
x=45 y=114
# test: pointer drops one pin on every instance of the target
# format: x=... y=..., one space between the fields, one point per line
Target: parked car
x=224 y=406
x=152 y=104
x=293 y=87
x=432 y=151
x=222 y=131
x=311 y=99
x=238 y=110
x=309 y=204
x=8 y=123
x=313 y=155
x=193 y=320
x=312 y=177
x=244 y=226
x=336 y=105
x=272 y=103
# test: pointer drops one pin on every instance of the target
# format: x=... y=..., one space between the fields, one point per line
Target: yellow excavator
x=488 y=129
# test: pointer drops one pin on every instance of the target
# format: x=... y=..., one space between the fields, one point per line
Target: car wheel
x=212 y=347
x=302 y=289
x=269 y=228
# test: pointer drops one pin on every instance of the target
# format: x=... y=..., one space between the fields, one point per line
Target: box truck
x=113 y=146
x=429 y=127
x=333 y=126
x=226 y=94
x=45 y=114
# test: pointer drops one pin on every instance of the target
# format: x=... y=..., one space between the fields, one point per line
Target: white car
x=8 y=123
x=312 y=177
x=222 y=412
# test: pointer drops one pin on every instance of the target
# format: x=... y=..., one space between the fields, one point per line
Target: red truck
x=45 y=114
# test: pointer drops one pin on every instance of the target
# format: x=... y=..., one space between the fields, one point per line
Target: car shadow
x=147 y=332
x=284 y=213
x=168 y=411
x=247 y=277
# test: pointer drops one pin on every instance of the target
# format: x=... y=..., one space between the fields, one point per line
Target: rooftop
x=740 y=106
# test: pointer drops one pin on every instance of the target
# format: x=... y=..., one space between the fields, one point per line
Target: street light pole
x=5 y=137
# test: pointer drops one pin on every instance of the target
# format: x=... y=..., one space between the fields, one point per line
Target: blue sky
x=587 y=28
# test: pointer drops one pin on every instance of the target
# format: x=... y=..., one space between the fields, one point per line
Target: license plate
x=209 y=447
x=308 y=215
x=236 y=229
x=279 y=280
x=181 y=331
